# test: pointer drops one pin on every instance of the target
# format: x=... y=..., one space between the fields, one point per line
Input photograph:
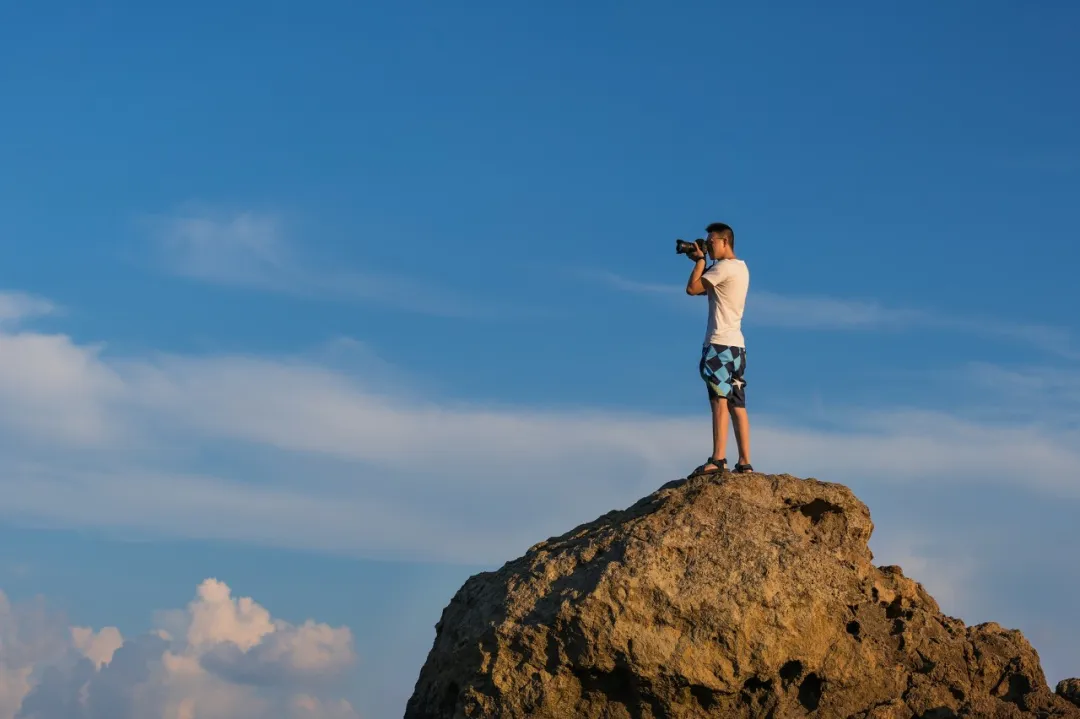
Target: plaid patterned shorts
x=722 y=369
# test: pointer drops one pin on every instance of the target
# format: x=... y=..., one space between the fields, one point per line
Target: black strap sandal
x=721 y=467
x=743 y=468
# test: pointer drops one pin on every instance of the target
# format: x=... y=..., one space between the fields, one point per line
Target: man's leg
x=737 y=407
x=719 y=406
x=740 y=420
x=715 y=369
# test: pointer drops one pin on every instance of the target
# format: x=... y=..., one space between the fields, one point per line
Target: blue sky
x=339 y=305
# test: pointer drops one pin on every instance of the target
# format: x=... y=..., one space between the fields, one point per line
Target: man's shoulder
x=731 y=264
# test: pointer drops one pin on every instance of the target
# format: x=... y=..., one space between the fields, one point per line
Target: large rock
x=751 y=596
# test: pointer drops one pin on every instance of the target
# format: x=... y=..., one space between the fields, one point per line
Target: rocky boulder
x=747 y=596
x=1070 y=689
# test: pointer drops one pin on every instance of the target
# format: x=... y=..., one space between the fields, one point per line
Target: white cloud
x=311 y=652
x=618 y=282
x=30 y=635
x=308 y=707
x=53 y=388
x=234 y=662
x=243 y=249
x=776 y=310
x=323 y=459
x=1050 y=389
x=253 y=250
x=98 y=647
x=238 y=640
x=217 y=617
x=18 y=306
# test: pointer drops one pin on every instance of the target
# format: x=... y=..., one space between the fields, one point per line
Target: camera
x=682 y=247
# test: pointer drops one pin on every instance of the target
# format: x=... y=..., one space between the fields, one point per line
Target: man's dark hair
x=722 y=229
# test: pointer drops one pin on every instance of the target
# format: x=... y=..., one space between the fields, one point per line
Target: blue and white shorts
x=722 y=369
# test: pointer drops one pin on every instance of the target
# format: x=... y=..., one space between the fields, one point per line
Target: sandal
x=721 y=467
x=743 y=468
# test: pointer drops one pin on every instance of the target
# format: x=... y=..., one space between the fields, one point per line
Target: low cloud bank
x=222 y=657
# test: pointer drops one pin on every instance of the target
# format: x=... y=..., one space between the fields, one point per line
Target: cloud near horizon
x=344 y=462
x=220 y=658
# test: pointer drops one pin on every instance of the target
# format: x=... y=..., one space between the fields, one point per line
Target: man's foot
x=743 y=468
x=712 y=466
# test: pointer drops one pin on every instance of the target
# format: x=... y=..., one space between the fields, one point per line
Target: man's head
x=720 y=241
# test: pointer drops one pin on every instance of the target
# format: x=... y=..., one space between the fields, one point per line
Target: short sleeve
x=715 y=274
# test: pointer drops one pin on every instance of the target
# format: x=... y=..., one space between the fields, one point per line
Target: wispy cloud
x=243 y=249
x=809 y=312
x=777 y=310
x=321 y=458
x=1044 y=382
x=16 y=307
x=816 y=312
x=221 y=656
x=52 y=387
x=1055 y=340
x=253 y=250
x=618 y=282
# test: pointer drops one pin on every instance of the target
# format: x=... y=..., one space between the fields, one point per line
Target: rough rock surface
x=1070 y=689
x=750 y=596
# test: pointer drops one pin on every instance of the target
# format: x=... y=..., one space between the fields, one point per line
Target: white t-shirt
x=726 y=283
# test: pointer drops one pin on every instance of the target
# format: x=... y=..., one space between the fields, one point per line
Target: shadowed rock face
x=1070 y=689
x=751 y=596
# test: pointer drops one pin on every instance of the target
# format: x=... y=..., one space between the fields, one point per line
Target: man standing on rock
x=723 y=354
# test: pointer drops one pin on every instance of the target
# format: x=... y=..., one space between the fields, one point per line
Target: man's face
x=714 y=243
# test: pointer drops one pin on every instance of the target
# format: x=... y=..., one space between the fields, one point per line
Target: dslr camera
x=682 y=247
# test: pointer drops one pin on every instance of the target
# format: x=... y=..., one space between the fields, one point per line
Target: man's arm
x=695 y=285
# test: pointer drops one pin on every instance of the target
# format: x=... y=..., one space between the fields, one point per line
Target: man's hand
x=698 y=253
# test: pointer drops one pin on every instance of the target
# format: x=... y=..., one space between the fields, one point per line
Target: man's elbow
x=695 y=289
